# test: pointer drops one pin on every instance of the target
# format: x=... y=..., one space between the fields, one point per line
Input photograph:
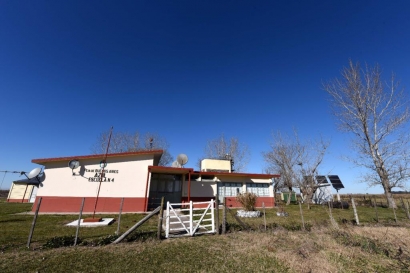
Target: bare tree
x=375 y=113
x=131 y=142
x=222 y=148
x=282 y=158
x=297 y=162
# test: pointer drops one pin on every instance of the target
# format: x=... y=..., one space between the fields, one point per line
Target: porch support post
x=24 y=195
x=146 y=191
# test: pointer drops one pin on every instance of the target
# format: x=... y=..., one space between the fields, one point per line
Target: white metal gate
x=189 y=221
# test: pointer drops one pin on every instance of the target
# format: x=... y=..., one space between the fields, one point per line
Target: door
x=168 y=186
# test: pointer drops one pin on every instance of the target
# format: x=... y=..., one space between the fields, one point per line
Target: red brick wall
x=56 y=204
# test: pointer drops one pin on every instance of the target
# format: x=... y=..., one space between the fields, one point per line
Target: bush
x=340 y=205
x=61 y=241
x=293 y=226
x=142 y=236
x=106 y=240
x=247 y=200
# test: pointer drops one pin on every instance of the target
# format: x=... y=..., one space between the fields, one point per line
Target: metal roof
x=68 y=158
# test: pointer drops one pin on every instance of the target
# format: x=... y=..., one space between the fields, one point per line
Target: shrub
x=102 y=241
x=106 y=240
x=142 y=236
x=247 y=200
x=293 y=226
x=61 y=241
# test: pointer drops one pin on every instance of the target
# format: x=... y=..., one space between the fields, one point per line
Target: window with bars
x=229 y=189
x=260 y=189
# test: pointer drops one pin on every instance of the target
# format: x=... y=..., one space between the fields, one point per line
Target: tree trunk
x=389 y=196
x=289 y=197
x=309 y=195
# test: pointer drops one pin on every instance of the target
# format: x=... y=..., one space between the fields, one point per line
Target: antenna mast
x=102 y=171
x=5 y=172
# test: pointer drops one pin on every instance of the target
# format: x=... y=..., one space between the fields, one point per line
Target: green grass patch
x=281 y=247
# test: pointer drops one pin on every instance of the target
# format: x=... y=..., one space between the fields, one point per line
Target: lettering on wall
x=101 y=175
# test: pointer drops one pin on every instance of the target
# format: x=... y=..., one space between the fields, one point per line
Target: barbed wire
x=5 y=172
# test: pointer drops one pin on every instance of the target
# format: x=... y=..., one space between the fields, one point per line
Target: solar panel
x=336 y=183
x=321 y=179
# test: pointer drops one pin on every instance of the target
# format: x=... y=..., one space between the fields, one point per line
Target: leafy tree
x=375 y=113
x=131 y=142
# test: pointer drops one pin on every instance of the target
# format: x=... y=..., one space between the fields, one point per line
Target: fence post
x=224 y=217
x=79 y=221
x=167 y=221
x=264 y=214
x=355 y=212
x=394 y=212
x=134 y=227
x=301 y=215
x=33 y=224
x=217 y=213
x=407 y=210
x=119 y=217
x=375 y=209
x=332 y=219
x=213 y=214
x=161 y=211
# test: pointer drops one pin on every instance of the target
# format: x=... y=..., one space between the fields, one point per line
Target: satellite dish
x=176 y=164
x=73 y=164
x=182 y=159
x=34 y=173
x=40 y=178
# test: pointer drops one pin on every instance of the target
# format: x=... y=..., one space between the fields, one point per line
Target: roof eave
x=43 y=161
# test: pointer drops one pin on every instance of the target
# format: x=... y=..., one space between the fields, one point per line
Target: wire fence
x=355 y=211
x=363 y=210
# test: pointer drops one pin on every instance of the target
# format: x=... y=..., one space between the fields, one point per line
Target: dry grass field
x=283 y=246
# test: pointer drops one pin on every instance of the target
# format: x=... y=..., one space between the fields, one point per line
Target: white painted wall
x=216 y=164
x=237 y=179
x=129 y=181
x=17 y=191
x=33 y=195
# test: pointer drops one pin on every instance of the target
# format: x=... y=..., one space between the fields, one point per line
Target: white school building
x=136 y=178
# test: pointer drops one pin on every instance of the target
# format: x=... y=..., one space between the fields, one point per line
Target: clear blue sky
x=188 y=70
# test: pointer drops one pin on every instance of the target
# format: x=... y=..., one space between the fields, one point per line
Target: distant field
x=373 y=246
x=4 y=193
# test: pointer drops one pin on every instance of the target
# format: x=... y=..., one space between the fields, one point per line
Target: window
x=229 y=189
x=260 y=189
x=165 y=183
